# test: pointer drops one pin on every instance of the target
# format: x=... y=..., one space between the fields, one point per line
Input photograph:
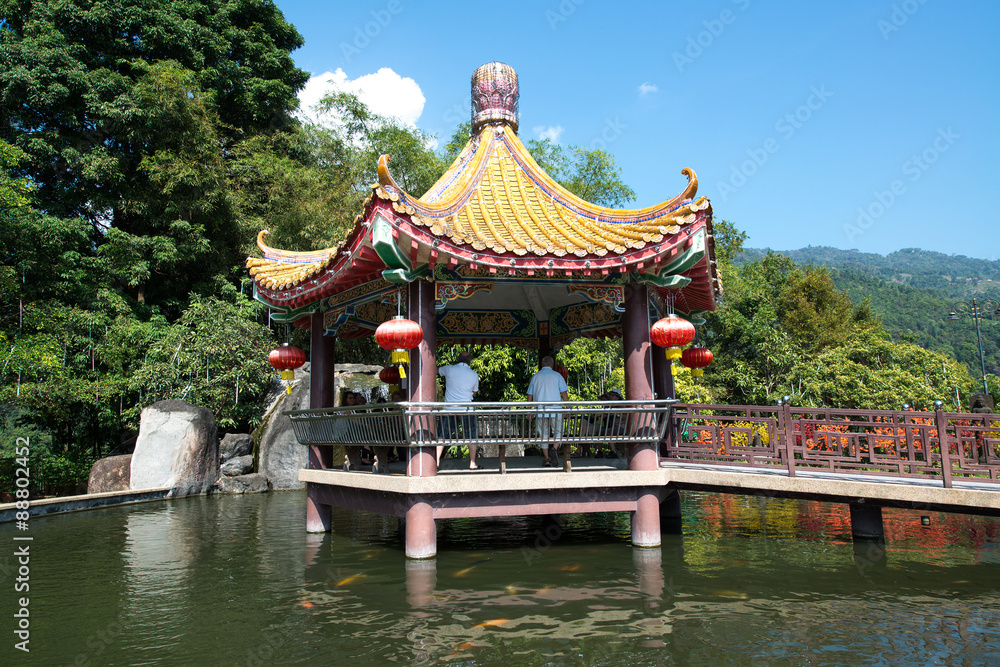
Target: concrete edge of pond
x=44 y=506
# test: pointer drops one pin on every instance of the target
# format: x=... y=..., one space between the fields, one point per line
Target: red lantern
x=399 y=335
x=673 y=333
x=562 y=370
x=389 y=375
x=696 y=358
x=286 y=359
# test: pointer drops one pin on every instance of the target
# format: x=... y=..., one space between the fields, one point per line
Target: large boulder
x=233 y=445
x=280 y=454
x=237 y=466
x=177 y=448
x=110 y=474
x=254 y=483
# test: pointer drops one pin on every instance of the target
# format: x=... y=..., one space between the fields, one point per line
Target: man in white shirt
x=548 y=385
x=460 y=386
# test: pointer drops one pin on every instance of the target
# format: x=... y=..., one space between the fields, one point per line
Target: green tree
x=127 y=110
x=870 y=371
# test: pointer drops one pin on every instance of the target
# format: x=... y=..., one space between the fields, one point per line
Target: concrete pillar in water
x=866 y=522
x=422 y=461
x=322 y=350
x=421 y=578
x=649 y=566
x=421 y=533
x=646 y=519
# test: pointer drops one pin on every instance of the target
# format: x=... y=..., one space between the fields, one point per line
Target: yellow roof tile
x=494 y=195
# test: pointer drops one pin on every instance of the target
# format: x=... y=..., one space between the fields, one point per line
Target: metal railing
x=874 y=442
x=464 y=424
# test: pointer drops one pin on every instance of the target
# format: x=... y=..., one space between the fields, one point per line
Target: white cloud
x=552 y=132
x=646 y=88
x=384 y=92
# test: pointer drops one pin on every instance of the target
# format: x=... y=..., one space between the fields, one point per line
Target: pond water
x=230 y=580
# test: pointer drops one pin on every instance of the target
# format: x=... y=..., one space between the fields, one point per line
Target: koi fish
x=569 y=568
x=351 y=579
x=307 y=604
x=491 y=623
x=510 y=590
x=462 y=573
x=731 y=594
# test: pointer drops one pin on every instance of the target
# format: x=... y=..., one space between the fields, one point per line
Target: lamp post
x=988 y=308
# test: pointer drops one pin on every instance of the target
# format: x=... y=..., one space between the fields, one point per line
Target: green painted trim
x=386 y=248
x=402 y=276
x=689 y=257
x=284 y=314
x=673 y=282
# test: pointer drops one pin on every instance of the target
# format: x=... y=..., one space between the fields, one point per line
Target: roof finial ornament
x=494 y=96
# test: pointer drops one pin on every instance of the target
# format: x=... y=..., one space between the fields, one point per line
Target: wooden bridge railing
x=873 y=442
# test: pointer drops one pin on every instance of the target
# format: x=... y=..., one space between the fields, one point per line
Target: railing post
x=943 y=443
x=789 y=431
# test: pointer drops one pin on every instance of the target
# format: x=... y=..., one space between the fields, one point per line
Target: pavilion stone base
x=423 y=500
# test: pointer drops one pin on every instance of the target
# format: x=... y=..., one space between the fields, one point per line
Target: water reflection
x=748 y=582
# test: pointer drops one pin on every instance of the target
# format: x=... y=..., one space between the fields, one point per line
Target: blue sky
x=855 y=124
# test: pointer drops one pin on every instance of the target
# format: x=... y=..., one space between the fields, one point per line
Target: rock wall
x=280 y=456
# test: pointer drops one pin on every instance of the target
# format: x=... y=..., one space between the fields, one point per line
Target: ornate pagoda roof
x=496 y=198
x=496 y=211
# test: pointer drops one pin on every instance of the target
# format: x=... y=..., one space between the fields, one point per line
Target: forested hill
x=913 y=291
x=954 y=276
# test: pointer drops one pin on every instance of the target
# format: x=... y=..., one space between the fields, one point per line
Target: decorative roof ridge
x=469 y=169
x=523 y=156
x=454 y=170
x=294 y=256
x=465 y=174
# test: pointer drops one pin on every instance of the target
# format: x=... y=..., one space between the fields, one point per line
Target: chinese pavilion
x=497 y=252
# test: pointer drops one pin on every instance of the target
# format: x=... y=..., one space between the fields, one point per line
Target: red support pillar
x=322 y=350
x=638 y=367
x=422 y=461
x=638 y=387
